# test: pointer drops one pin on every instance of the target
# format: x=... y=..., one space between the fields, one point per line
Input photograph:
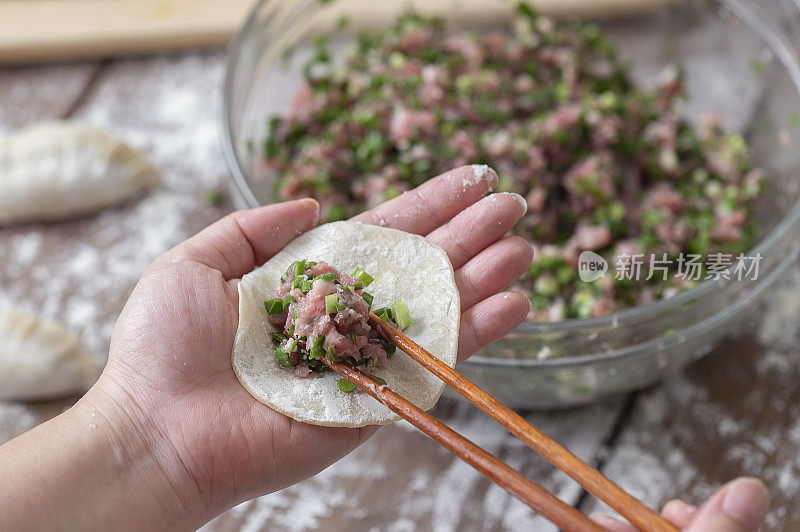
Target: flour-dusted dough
x=404 y=266
x=40 y=359
x=55 y=170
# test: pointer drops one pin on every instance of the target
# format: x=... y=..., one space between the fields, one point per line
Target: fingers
x=679 y=513
x=738 y=507
x=493 y=269
x=245 y=239
x=477 y=227
x=490 y=320
x=431 y=204
x=611 y=524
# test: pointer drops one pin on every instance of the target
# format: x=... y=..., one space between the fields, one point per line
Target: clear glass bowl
x=740 y=58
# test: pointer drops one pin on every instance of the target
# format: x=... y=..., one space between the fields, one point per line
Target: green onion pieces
x=401 y=315
x=331 y=303
x=363 y=276
x=274 y=306
x=345 y=385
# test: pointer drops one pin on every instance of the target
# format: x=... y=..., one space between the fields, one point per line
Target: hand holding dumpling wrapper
x=400 y=263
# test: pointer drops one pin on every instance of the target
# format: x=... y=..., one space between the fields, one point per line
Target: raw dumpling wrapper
x=55 y=170
x=404 y=266
x=40 y=359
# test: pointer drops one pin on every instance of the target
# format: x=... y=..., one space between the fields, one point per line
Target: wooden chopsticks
x=541 y=500
x=588 y=477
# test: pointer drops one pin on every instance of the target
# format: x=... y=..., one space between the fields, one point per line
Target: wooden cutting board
x=47 y=30
x=51 y=30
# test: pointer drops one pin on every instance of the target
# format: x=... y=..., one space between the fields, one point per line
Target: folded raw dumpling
x=404 y=266
x=54 y=170
x=40 y=359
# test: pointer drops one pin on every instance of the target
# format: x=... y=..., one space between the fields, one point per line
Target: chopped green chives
x=336 y=213
x=368 y=298
x=384 y=314
x=316 y=366
x=317 y=351
x=345 y=385
x=364 y=276
x=298 y=267
x=286 y=273
x=757 y=66
x=293 y=346
x=401 y=314
x=274 y=306
x=333 y=355
x=397 y=313
x=331 y=302
x=215 y=197
x=283 y=357
x=287 y=301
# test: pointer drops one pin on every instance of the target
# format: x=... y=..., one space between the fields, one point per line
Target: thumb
x=245 y=239
x=737 y=507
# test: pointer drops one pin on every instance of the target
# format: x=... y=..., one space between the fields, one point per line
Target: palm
x=224 y=434
x=177 y=331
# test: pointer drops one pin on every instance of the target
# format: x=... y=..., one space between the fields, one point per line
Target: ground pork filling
x=605 y=164
x=320 y=312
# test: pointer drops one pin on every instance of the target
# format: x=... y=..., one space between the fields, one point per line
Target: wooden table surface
x=736 y=412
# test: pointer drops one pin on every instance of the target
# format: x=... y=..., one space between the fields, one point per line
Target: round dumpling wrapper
x=403 y=266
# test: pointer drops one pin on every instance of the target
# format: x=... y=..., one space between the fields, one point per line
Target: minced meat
x=322 y=313
x=604 y=164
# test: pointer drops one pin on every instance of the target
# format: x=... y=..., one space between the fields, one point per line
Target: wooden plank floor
x=735 y=412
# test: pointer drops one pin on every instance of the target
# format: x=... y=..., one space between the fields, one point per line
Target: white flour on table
x=657 y=457
x=81 y=271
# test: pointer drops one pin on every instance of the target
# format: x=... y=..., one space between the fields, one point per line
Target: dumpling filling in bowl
x=605 y=163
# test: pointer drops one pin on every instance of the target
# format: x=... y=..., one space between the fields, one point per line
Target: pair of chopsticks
x=535 y=496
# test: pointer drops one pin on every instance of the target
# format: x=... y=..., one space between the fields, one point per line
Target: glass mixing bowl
x=740 y=58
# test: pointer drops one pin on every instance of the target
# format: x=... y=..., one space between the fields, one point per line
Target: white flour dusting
x=664 y=452
x=780 y=325
x=422 y=485
x=81 y=271
x=40 y=92
x=14 y=420
x=481 y=172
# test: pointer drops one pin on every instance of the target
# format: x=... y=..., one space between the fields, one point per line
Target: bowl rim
x=616 y=319
x=225 y=118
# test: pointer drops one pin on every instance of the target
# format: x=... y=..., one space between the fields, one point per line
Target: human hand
x=169 y=372
x=737 y=507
